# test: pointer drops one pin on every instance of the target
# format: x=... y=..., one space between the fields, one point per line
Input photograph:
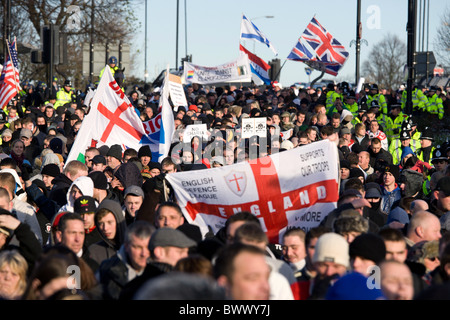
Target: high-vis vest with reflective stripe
x=381 y=102
x=435 y=106
x=419 y=100
x=62 y=97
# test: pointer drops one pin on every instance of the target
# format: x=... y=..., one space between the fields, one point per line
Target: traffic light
x=54 y=47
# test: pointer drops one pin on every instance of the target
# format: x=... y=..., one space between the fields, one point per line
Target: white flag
x=250 y=31
x=111 y=120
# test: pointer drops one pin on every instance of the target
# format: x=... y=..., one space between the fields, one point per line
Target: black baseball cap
x=99 y=159
x=84 y=204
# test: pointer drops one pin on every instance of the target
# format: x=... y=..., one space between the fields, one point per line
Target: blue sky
x=213 y=30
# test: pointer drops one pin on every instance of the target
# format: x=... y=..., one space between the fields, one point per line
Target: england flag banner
x=112 y=120
x=294 y=188
x=236 y=71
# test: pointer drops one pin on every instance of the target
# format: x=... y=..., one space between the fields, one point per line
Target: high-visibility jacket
x=397 y=125
x=419 y=100
x=396 y=147
x=356 y=120
x=435 y=106
x=388 y=126
x=420 y=155
x=352 y=108
x=331 y=98
x=381 y=102
x=63 y=97
x=103 y=70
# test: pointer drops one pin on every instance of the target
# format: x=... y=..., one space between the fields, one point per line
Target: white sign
x=254 y=127
x=176 y=91
x=360 y=84
x=238 y=70
x=195 y=130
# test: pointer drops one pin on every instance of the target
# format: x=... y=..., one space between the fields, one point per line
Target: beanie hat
x=369 y=246
x=99 y=179
x=406 y=151
x=356 y=172
x=56 y=145
x=332 y=247
x=394 y=170
x=115 y=151
x=51 y=170
x=144 y=151
x=353 y=286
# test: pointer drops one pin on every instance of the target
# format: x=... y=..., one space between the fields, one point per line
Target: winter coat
x=129 y=175
x=86 y=186
x=61 y=185
x=106 y=248
x=114 y=274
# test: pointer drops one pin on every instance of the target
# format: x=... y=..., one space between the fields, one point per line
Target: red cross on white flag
x=111 y=120
x=295 y=188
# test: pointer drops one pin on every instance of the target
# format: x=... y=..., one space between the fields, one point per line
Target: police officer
x=332 y=93
x=112 y=64
x=350 y=103
x=404 y=141
x=374 y=95
x=426 y=149
x=435 y=105
x=397 y=117
x=64 y=95
x=419 y=100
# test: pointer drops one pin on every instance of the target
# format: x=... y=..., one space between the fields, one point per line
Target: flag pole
x=278 y=73
x=9 y=53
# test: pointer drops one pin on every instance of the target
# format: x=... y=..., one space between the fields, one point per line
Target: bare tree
x=386 y=62
x=442 y=40
x=113 y=21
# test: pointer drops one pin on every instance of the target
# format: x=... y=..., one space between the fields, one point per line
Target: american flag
x=326 y=47
x=9 y=79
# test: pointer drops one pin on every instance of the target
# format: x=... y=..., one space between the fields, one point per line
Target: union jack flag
x=300 y=52
x=327 y=48
x=327 y=53
x=9 y=79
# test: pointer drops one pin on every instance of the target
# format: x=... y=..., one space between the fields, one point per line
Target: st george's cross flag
x=111 y=120
x=294 y=188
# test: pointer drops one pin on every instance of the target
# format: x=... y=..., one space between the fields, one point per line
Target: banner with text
x=294 y=188
x=238 y=70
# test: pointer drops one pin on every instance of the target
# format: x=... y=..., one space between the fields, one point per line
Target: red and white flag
x=295 y=188
x=111 y=120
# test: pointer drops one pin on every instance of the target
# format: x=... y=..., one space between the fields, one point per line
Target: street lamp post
x=145 y=58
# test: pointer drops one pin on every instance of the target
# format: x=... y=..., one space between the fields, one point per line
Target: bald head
x=424 y=226
x=418 y=205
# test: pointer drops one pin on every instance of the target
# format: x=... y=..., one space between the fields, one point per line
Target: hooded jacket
x=86 y=186
x=129 y=175
x=106 y=248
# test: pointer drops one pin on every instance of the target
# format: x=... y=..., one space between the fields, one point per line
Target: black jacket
x=29 y=246
x=61 y=185
x=107 y=248
x=152 y=270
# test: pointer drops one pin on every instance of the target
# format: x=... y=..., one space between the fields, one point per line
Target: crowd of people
x=113 y=221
